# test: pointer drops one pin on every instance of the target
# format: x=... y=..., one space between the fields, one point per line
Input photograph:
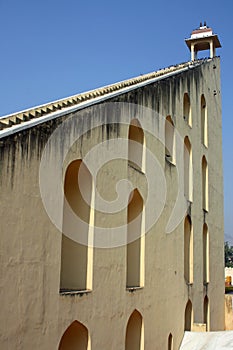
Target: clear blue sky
x=52 y=49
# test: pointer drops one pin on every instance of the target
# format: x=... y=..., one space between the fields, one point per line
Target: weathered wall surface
x=34 y=314
x=228 y=312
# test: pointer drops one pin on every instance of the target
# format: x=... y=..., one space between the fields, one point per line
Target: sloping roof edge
x=28 y=118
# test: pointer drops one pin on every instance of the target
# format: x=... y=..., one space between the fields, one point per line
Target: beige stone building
x=140 y=163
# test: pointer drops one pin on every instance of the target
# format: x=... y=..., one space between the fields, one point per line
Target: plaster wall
x=33 y=313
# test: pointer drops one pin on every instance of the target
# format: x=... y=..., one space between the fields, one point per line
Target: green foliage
x=228 y=255
x=228 y=289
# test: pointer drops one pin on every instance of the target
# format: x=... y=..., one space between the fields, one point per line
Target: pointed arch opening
x=204 y=122
x=135 y=242
x=206 y=319
x=188 y=250
x=75 y=337
x=134 y=339
x=187 y=109
x=170 y=342
x=188 y=316
x=205 y=238
x=76 y=258
x=205 y=199
x=136 y=153
x=169 y=140
x=188 y=170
